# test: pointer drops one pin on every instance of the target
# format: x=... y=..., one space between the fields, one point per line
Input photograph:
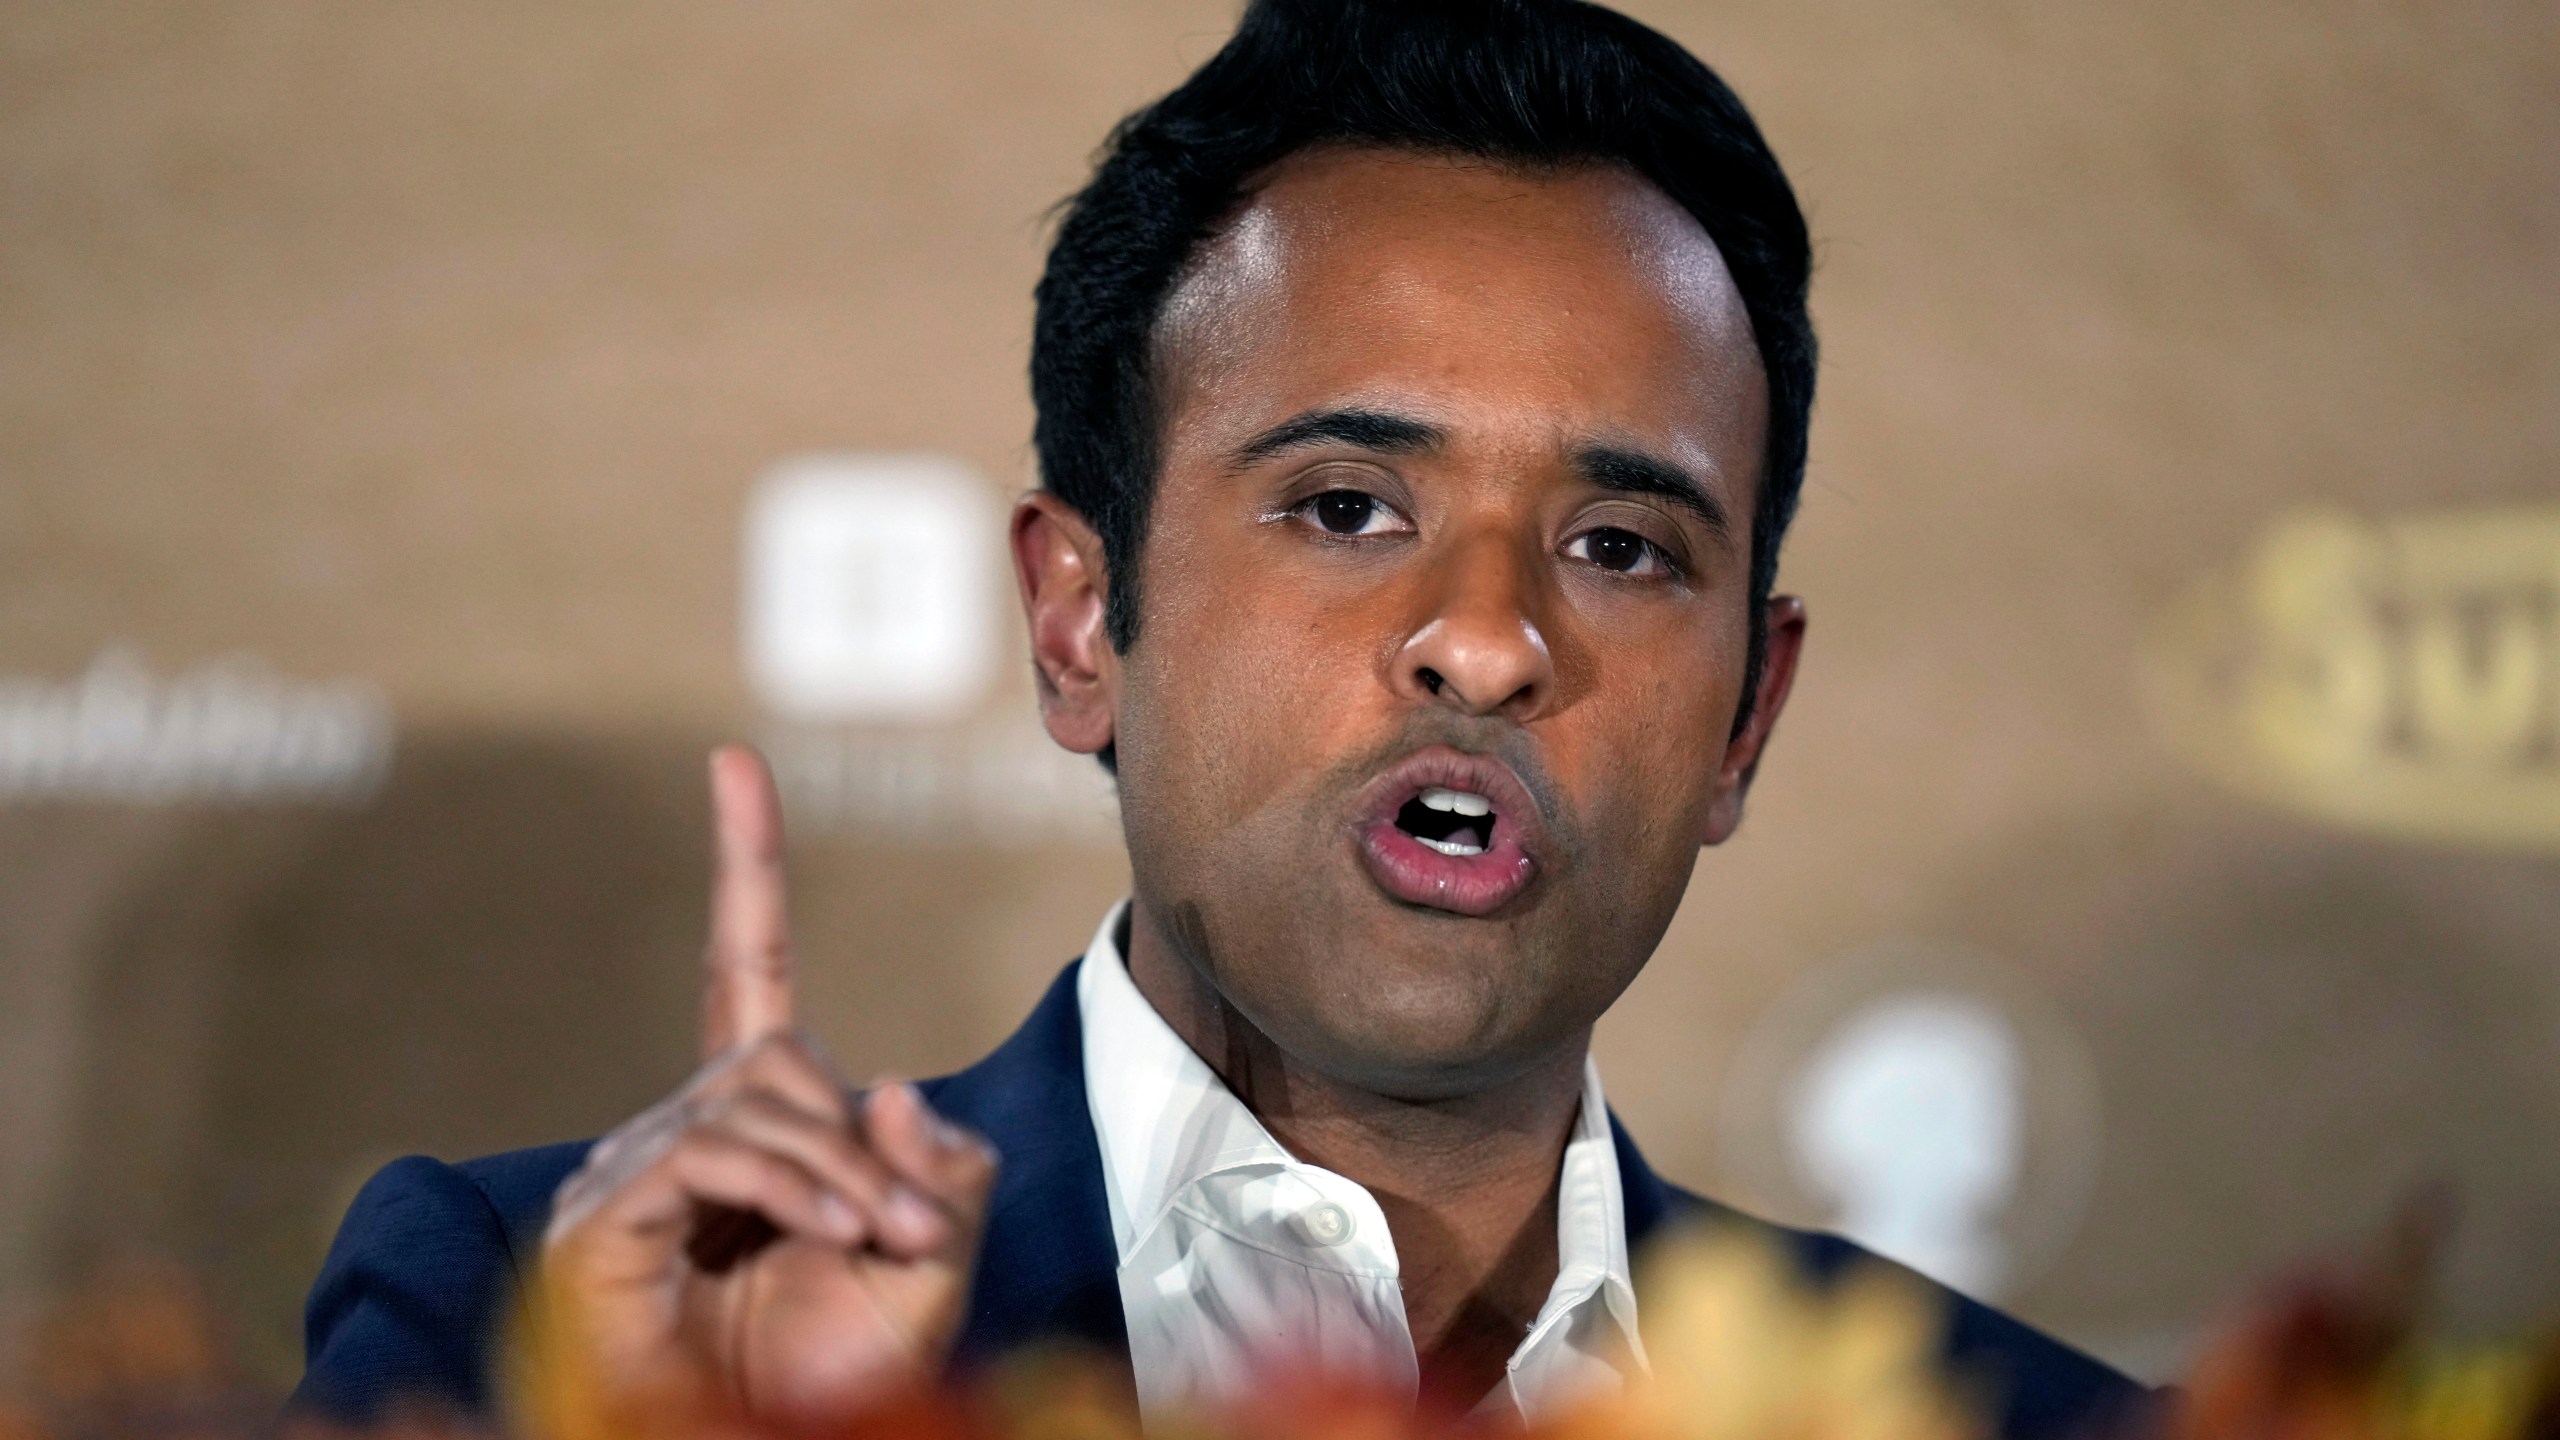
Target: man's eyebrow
x=1635 y=473
x=1377 y=430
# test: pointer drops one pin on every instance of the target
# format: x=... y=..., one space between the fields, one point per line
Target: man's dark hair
x=1534 y=83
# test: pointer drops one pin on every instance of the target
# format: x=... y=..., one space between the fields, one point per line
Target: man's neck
x=1468 y=1183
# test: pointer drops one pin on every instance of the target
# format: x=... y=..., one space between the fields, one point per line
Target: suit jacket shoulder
x=1048 y=1269
x=2044 y=1389
x=415 y=1290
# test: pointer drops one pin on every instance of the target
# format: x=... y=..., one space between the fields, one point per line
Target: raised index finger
x=746 y=992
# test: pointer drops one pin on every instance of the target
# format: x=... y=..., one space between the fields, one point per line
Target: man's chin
x=1420 y=1042
x=1429 y=1080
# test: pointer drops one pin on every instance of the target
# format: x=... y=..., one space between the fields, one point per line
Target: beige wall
x=437 y=347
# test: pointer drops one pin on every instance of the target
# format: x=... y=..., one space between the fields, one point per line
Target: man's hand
x=761 y=1238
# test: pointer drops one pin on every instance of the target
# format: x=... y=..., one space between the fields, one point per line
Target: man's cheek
x=1649 y=762
x=1310 y=667
x=1252 y=707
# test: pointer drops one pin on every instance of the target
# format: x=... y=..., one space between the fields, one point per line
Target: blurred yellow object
x=2400 y=676
x=1742 y=1349
x=2466 y=1395
x=1739 y=1345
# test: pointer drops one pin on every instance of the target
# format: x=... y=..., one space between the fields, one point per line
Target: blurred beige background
x=435 y=349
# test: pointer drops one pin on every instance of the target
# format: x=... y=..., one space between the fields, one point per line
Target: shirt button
x=1326 y=1223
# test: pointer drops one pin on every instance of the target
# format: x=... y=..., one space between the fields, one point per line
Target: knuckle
x=763 y=1167
x=780 y=1054
x=698 y=1146
x=569 y=1210
x=754 y=1104
x=853 y=1162
x=629 y=1150
x=969 y=1152
x=718 y=1163
x=796 y=1046
x=716 y=1073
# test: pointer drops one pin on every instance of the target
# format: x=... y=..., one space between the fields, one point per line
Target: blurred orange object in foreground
x=1739 y=1348
x=2333 y=1354
x=136 y=1352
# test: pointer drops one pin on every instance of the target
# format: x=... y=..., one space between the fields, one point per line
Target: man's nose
x=1479 y=647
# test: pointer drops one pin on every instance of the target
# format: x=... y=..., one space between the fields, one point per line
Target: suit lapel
x=1048 y=1269
x=1650 y=1200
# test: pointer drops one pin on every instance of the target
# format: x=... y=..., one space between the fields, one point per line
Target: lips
x=1428 y=840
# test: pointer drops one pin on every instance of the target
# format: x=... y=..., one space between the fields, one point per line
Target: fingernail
x=838 y=1217
x=945 y=1134
x=914 y=1214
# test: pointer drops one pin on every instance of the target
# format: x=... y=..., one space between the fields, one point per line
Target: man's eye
x=1621 y=550
x=1350 y=512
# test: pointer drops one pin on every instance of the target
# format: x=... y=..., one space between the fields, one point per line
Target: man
x=1423 y=391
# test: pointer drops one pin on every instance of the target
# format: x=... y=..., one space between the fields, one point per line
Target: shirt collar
x=1591 y=1240
x=1163 y=1116
x=1166 y=1121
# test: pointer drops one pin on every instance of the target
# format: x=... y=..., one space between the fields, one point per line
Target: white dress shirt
x=1236 y=1256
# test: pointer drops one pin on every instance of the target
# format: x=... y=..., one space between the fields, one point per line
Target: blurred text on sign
x=2401 y=676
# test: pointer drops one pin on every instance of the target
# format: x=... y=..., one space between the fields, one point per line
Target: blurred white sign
x=1006 y=785
x=228 y=730
x=871 y=588
x=1927 y=1101
x=1906 y=1119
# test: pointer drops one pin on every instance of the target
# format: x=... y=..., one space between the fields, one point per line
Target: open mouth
x=1449 y=831
x=1453 y=822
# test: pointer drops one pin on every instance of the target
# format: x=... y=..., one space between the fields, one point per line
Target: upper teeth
x=1456 y=801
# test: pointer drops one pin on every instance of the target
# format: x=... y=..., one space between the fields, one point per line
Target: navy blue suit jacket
x=418 y=1284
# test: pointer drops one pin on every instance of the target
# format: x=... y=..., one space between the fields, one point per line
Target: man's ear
x=1057 y=562
x=1784 y=642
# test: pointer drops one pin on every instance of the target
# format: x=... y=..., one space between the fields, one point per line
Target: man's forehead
x=1332 y=222
x=1353 y=271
